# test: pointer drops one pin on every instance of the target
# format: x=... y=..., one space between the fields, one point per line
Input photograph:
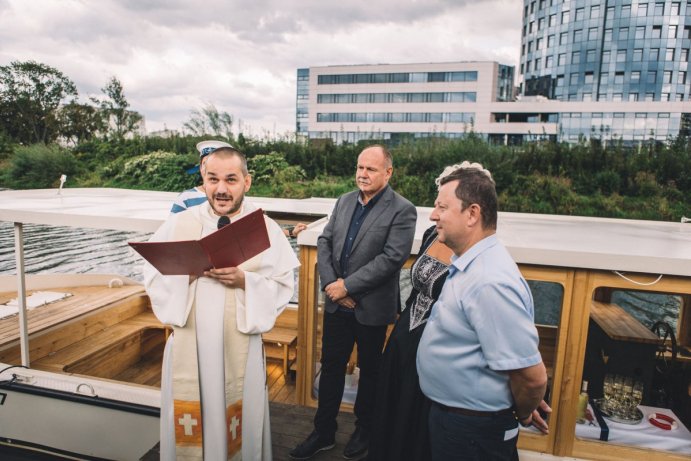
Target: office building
x=614 y=69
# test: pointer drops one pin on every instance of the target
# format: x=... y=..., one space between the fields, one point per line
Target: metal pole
x=21 y=293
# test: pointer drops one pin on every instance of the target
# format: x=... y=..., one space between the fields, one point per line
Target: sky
x=176 y=56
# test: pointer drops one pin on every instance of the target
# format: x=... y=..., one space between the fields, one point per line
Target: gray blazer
x=380 y=249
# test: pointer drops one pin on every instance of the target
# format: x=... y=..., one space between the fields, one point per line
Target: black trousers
x=342 y=330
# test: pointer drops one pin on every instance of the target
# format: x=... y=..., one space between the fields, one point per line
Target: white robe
x=266 y=293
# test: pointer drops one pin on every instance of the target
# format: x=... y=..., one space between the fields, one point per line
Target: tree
x=209 y=121
x=80 y=122
x=30 y=94
x=117 y=118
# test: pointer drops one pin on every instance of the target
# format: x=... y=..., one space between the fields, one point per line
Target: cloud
x=174 y=56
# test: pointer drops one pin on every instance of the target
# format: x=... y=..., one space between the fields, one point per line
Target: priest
x=214 y=402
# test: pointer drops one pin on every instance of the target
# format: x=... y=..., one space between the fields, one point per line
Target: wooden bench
x=110 y=351
x=287 y=339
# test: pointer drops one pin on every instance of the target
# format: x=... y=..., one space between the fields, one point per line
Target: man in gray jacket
x=360 y=254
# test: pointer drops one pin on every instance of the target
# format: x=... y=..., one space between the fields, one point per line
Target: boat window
x=638 y=368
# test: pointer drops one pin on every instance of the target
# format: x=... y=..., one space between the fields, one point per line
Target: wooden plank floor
x=291 y=424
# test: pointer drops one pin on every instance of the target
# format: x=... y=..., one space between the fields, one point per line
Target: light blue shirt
x=481 y=326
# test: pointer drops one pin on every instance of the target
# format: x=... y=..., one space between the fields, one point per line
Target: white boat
x=73 y=412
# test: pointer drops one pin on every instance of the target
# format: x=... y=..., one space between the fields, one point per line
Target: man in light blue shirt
x=478 y=358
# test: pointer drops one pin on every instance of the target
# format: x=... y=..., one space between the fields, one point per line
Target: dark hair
x=229 y=152
x=474 y=186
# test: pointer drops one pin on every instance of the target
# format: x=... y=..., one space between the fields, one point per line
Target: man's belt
x=468 y=412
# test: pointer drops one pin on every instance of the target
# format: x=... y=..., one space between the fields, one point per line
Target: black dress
x=400 y=427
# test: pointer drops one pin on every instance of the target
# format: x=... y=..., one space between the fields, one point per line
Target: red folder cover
x=229 y=246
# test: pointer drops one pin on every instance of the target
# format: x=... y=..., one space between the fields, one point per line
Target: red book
x=229 y=246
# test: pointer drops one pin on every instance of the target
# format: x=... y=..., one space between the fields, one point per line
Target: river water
x=74 y=250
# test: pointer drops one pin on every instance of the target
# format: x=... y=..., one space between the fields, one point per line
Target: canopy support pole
x=21 y=293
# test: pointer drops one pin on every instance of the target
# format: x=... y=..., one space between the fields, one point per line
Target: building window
x=574 y=79
x=667 y=76
x=560 y=81
x=530 y=47
x=527 y=67
x=542 y=4
x=669 y=54
x=552 y=20
x=532 y=7
x=643 y=9
x=654 y=54
x=687 y=31
x=640 y=32
x=538 y=44
x=657 y=31
x=595 y=11
x=665 y=97
x=604 y=77
x=635 y=76
x=649 y=97
x=625 y=10
x=531 y=26
x=587 y=96
x=616 y=97
x=605 y=56
x=659 y=9
x=672 y=31
x=621 y=55
x=684 y=55
x=540 y=23
x=537 y=64
x=580 y=14
x=590 y=56
x=623 y=33
x=652 y=76
x=608 y=35
x=674 y=11
x=682 y=78
x=633 y=97
x=565 y=17
x=588 y=78
x=561 y=61
x=577 y=35
x=576 y=57
x=619 y=78
x=592 y=33
x=563 y=38
x=550 y=41
x=549 y=62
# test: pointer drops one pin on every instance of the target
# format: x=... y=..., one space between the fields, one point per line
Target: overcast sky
x=173 y=56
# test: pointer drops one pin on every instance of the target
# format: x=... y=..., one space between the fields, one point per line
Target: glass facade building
x=609 y=51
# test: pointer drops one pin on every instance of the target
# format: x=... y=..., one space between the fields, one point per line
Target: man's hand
x=347 y=302
x=538 y=421
x=232 y=277
x=336 y=290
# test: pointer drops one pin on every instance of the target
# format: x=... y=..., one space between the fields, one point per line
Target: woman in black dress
x=399 y=428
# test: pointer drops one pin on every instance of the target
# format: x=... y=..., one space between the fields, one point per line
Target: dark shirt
x=359 y=215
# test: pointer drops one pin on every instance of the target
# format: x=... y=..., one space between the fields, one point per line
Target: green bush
x=155 y=171
x=39 y=166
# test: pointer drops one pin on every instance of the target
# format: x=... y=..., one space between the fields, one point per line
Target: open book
x=229 y=246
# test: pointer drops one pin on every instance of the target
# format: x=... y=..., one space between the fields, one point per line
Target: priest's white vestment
x=269 y=285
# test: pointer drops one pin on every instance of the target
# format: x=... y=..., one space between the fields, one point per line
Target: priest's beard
x=236 y=204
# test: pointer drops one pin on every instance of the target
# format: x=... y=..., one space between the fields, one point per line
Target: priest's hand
x=232 y=277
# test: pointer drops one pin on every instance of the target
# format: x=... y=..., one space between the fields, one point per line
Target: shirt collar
x=373 y=200
x=461 y=263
